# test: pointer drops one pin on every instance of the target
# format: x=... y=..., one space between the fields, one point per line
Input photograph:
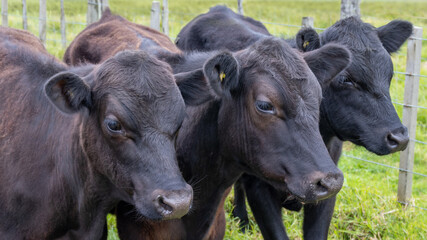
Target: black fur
x=68 y=92
x=356 y=104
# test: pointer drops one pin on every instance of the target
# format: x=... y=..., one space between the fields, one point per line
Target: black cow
x=267 y=106
x=263 y=123
x=76 y=141
x=356 y=106
x=222 y=28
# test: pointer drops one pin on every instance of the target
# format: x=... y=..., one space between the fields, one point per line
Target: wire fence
x=177 y=19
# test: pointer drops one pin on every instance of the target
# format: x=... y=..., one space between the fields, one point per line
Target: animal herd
x=158 y=132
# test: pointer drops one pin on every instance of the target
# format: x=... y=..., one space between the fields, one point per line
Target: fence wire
x=412 y=205
x=385 y=165
x=409 y=105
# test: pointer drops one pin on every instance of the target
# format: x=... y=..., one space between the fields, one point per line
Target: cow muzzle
x=317 y=186
x=397 y=140
x=172 y=204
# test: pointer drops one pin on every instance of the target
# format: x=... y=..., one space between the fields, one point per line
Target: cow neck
x=331 y=139
x=203 y=167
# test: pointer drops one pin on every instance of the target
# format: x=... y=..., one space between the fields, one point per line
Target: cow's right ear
x=222 y=72
x=307 y=40
x=194 y=87
x=68 y=92
x=328 y=61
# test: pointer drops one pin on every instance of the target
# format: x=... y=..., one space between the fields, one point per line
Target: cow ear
x=307 y=40
x=222 y=72
x=194 y=87
x=394 y=34
x=327 y=62
x=68 y=92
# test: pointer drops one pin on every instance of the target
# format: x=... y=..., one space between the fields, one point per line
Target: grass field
x=367 y=206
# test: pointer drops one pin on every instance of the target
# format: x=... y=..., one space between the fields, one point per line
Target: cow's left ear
x=68 y=92
x=307 y=40
x=194 y=87
x=328 y=61
x=222 y=72
x=394 y=34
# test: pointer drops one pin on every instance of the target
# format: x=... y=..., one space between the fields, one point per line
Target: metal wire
x=385 y=165
x=404 y=203
x=290 y=25
x=415 y=38
x=53 y=20
x=409 y=105
x=418 y=141
x=411 y=74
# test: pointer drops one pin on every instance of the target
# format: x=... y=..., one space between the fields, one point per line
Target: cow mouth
x=292 y=196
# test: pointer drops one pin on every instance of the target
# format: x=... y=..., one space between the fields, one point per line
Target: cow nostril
x=392 y=141
x=328 y=185
x=173 y=203
x=163 y=204
x=397 y=141
x=325 y=185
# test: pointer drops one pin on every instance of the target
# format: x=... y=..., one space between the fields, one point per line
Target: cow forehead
x=142 y=85
x=274 y=55
x=371 y=63
x=353 y=33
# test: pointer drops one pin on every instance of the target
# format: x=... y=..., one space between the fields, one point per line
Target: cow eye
x=347 y=82
x=113 y=125
x=264 y=107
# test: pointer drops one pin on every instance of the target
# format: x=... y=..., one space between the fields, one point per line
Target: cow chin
x=311 y=187
x=384 y=143
x=296 y=192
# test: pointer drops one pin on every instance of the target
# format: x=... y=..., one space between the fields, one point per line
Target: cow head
x=357 y=104
x=130 y=109
x=268 y=118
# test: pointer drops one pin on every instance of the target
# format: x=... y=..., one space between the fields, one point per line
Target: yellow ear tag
x=70 y=93
x=305 y=44
x=221 y=76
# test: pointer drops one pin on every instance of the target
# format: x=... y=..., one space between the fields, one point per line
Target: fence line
x=412 y=205
x=418 y=141
x=24 y=15
x=42 y=21
x=409 y=115
x=385 y=165
x=155 y=16
x=411 y=74
x=63 y=36
x=4 y=20
x=409 y=105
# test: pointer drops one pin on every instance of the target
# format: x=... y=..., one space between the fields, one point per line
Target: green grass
x=367 y=207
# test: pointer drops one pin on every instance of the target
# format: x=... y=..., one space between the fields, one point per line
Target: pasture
x=367 y=206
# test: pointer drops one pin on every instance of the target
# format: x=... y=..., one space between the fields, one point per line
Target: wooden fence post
x=350 y=8
x=155 y=16
x=240 y=7
x=4 y=22
x=63 y=36
x=92 y=11
x=24 y=15
x=409 y=117
x=42 y=21
x=165 y=20
x=104 y=5
x=98 y=10
x=307 y=22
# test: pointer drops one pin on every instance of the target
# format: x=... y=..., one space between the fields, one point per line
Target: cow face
x=357 y=105
x=268 y=120
x=131 y=110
